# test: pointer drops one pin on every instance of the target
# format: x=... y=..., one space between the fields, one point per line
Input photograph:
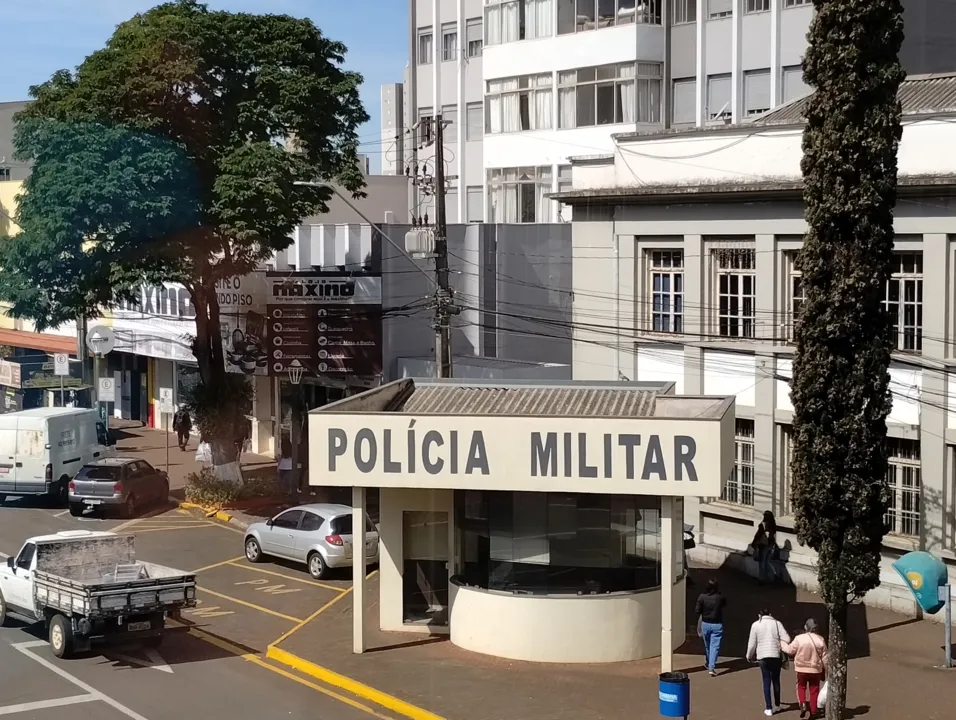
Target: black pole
x=443 y=294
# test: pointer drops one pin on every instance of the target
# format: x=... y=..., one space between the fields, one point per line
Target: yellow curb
x=352 y=686
x=224 y=516
x=191 y=506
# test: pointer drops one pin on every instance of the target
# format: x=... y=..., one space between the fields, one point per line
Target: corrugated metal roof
x=919 y=95
x=581 y=402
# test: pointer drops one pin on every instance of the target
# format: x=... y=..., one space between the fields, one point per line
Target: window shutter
x=757 y=91
x=685 y=101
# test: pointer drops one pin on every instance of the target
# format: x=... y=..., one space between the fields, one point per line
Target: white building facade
x=689 y=277
x=527 y=84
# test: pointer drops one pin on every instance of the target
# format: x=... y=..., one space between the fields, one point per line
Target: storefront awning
x=38 y=341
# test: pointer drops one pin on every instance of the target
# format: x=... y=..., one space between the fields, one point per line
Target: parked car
x=318 y=535
x=42 y=448
x=120 y=483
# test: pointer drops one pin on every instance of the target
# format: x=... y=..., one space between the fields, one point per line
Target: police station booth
x=531 y=521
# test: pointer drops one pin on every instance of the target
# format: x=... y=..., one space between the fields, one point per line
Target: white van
x=43 y=448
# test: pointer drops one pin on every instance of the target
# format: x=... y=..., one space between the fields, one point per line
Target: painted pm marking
x=92 y=693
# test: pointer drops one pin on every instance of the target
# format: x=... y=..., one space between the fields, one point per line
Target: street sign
x=100 y=340
x=166 y=400
x=61 y=364
x=106 y=390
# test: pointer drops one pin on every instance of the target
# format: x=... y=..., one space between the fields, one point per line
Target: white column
x=358 y=569
x=667 y=584
x=736 y=73
x=436 y=57
x=462 y=65
x=701 y=66
x=776 y=77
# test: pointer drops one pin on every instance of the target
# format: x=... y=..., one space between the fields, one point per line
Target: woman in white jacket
x=764 y=647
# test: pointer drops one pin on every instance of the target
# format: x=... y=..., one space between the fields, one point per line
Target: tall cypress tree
x=840 y=387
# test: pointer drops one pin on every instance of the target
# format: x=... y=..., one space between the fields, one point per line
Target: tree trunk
x=836 y=662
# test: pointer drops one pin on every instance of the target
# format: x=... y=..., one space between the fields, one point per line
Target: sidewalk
x=891 y=673
x=150 y=445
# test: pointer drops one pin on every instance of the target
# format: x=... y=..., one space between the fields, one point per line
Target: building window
x=685 y=11
x=667 y=290
x=739 y=487
x=904 y=479
x=795 y=296
x=449 y=43
x=904 y=301
x=511 y=20
x=558 y=543
x=520 y=103
x=474 y=124
x=718 y=96
x=793 y=85
x=755 y=6
x=609 y=94
x=425 y=46
x=719 y=8
x=518 y=195
x=4 y=174
x=786 y=474
x=473 y=32
x=425 y=130
x=582 y=15
x=564 y=185
x=475 y=204
x=795 y=3
x=684 y=102
x=736 y=292
x=756 y=92
x=449 y=115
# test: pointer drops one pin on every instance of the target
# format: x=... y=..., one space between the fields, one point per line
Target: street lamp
x=295 y=371
x=97 y=343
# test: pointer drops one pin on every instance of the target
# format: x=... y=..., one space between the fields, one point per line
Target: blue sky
x=42 y=36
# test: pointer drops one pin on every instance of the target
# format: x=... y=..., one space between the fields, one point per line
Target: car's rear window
x=110 y=472
x=342 y=525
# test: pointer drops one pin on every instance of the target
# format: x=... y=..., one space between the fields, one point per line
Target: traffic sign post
x=166 y=410
x=61 y=367
x=101 y=341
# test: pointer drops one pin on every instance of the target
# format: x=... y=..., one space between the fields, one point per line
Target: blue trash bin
x=674 y=695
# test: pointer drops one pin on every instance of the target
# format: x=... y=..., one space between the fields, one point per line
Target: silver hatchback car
x=318 y=535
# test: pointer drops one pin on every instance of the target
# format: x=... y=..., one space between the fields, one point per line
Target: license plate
x=138 y=626
x=93 y=502
x=4 y=470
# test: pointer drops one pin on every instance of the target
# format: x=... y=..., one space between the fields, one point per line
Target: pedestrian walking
x=710 y=614
x=286 y=469
x=765 y=547
x=765 y=647
x=809 y=653
x=183 y=425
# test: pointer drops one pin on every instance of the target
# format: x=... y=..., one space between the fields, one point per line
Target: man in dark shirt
x=710 y=613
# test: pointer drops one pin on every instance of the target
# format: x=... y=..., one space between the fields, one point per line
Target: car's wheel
x=317 y=567
x=61 y=636
x=164 y=494
x=253 y=551
x=76 y=509
x=129 y=508
x=3 y=610
x=61 y=493
x=2 y=499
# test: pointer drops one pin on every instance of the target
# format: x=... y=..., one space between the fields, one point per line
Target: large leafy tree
x=171 y=154
x=840 y=386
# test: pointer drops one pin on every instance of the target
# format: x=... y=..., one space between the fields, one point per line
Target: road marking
x=219 y=564
x=4 y=555
x=253 y=658
x=255 y=569
x=170 y=528
x=153 y=660
x=60 y=514
x=314 y=615
x=44 y=704
x=182 y=511
x=207 y=612
x=261 y=609
x=25 y=649
x=279 y=589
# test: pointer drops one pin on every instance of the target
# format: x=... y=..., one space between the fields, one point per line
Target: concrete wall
x=18 y=170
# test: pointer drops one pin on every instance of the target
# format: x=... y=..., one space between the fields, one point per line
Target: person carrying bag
x=809 y=652
x=765 y=647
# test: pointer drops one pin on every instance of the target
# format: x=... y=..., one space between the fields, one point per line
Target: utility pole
x=443 y=294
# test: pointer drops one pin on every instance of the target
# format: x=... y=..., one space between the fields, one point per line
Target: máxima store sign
x=620 y=456
x=311 y=289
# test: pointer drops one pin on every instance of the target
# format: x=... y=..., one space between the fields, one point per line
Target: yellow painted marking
x=354 y=687
x=251 y=657
x=218 y=564
x=207 y=612
x=182 y=511
x=261 y=609
x=318 y=612
x=257 y=569
x=269 y=589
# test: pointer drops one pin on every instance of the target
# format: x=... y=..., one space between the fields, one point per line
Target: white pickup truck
x=88 y=586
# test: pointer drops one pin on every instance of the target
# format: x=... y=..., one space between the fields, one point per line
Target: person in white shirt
x=286 y=468
x=764 y=647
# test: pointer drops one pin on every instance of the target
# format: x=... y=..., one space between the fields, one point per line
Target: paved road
x=213 y=667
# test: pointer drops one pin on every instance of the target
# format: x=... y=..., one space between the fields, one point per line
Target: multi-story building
x=526 y=84
x=688 y=276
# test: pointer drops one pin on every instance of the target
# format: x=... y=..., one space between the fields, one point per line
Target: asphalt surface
x=214 y=666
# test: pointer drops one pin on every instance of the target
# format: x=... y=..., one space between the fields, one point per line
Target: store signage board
x=644 y=456
x=106 y=390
